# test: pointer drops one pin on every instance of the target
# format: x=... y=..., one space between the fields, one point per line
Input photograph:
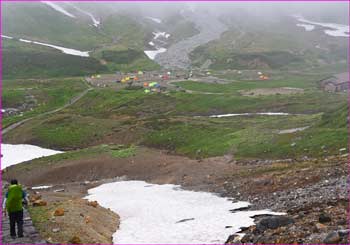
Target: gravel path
x=31 y=236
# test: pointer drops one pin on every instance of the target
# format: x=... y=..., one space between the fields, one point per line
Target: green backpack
x=14 y=198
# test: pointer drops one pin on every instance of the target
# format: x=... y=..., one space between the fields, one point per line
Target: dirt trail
x=71 y=102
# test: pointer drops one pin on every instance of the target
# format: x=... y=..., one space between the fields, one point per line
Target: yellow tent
x=140 y=73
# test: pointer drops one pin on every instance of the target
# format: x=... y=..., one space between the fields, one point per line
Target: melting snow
x=41 y=187
x=66 y=50
x=62 y=49
x=153 y=213
x=155 y=19
x=14 y=154
x=25 y=40
x=8 y=37
x=251 y=114
x=152 y=53
x=95 y=22
x=160 y=34
x=307 y=27
x=58 y=8
x=292 y=130
x=335 y=30
x=151 y=43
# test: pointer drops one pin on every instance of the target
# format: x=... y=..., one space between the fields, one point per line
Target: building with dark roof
x=336 y=83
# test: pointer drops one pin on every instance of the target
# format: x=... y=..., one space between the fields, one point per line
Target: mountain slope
x=23 y=60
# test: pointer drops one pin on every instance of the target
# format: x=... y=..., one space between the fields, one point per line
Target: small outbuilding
x=336 y=83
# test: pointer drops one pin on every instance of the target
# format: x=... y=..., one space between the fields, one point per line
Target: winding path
x=71 y=102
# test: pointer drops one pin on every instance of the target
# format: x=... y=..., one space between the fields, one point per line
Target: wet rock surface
x=30 y=235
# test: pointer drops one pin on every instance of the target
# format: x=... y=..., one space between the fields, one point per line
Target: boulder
x=93 y=204
x=233 y=239
x=273 y=222
x=332 y=238
x=344 y=232
x=59 y=212
x=55 y=230
x=39 y=202
x=87 y=220
x=324 y=218
x=74 y=240
x=320 y=227
x=34 y=198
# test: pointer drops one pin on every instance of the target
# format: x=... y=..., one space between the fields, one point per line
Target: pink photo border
x=138 y=1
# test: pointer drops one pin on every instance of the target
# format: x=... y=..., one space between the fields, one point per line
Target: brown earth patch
x=88 y=223
x=271 y=91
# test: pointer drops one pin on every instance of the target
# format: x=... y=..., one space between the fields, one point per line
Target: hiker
x=13 y=204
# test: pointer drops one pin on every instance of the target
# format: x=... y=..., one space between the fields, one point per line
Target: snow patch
x=7 y=37
x=151 y=43
x=155 y=19
x=152 y=213
x=58 y=8
x=292 y=130
x=95 y=22
x=25 y=40
x=14 y=154
x=66 y=50
x=160 y=34
x=153 y=53
x=335 y=30
x=252 y=114
x=62 y=49
x=307 y=27
x=42 y=187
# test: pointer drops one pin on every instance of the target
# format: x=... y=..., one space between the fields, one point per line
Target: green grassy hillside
x=39 y=22
x=268 y=44
x=23 y=60
x=170 y=121
x=46 y=94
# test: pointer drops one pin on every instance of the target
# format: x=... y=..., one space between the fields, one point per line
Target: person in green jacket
x=14 y=207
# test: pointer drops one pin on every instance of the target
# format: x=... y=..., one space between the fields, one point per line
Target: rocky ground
x=177 y=55
x=315 y=201
x=60 y=215
x=312 y=192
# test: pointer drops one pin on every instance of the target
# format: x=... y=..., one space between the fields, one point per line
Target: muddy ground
x=271 y=91
x=304 y=188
